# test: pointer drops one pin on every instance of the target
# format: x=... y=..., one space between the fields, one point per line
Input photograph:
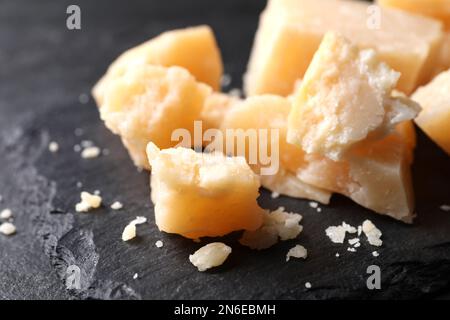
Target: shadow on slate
x=48 y=67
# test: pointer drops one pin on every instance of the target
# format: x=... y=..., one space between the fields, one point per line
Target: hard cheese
x=203 y=195
x=147 y=103
x=194 y=49
x=345 y=99
x=290 y=32
x=435 y=116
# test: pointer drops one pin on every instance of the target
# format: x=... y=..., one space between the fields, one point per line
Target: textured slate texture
x=44 y=69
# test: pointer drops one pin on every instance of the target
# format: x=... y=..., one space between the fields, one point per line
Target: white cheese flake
x=375 y=253
x=297 y=252
x=308 y=285
x=117 y=205
x=445 y=207
x=88 y=202
x=6 y=214
x=353 y=241
x=90 y=152
x=53 y=147
x=129 y=232
x=319 y=209
x=372 y=233
x=7 y=228
x=351 y=249
x=159 y=244
x=209 y=256
x=337 y=255
x=313 y=204
x=135 y=276
x=359 y=230
x=337 y=233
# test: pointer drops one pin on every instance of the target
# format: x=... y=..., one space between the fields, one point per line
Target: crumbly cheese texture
x=337 y=233
x=298 y=252
x=88 y=202
x=277 y=224
x=5 y=214
x=210 y=256
x=194 y=49
x=290 y=32
x=129 y=232
x=7 y=228
x=217 y=105
x=344 y=98
x=199 y=194
x=434 y=119
x=147 y=103
x=372 y=233
x=269 y=113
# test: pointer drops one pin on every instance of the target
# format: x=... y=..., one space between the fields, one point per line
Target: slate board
x=45 y=68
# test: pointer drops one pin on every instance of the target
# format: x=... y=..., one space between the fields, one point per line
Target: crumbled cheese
x=319 y=209
x=225 y=81
x=375 y=253
x=337 y=233
x=297 y=252
x=77 y=148
x=88 y=202
x=445 y=207
x=337 y=255
x=117 y=205
x=351 y=249
x=159 y=244
x=372 y=233
x=135 y=276
x=7 y=228
x=129 y=232
x=90 y=152
x=308 y=285
x=53 y=147
x=6 y=214
x=359 y=230
x=357 y=245
x=275 y=195
x=97 y=192
x=139 y=220
x=348 y=228
x=209 y=256
x=83 y=98
x=276 y=224
x=353 y=241
x=313 y=204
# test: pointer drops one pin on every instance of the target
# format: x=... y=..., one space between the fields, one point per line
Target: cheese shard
x=290 y=32
x=194 y=49
x=210 y=256
x=203 y=195
x=269 y=113
x=345 y=98
x=147 y=103
x=434 y=119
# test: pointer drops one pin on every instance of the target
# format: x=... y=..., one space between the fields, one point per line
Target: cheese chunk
x=270 y=112
x=203 y=195
x=210 y=256
x=215 y=109
x=194 y=49
x=434 y=119
x=290 y=32
x=438 y=9
x=147 y=103
x=344 y=98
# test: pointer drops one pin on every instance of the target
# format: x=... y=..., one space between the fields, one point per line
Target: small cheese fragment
x=5 y=214
x=159 y=244
x=129 y=232
x=200 y=194
x=194 y=49
x=90 y=152
x=117 y=205
x=297 y=252
x=7 y=228
x=216 y=107
x=263 y=119
x=372 y=233
x=277 y=224
x=345 y=97
x=147 y=103
x=290 y=32
x=53 y=147
x=210 y=256
x=337 y=233
x=308 y=285
x=434 y=119
x=88 y=202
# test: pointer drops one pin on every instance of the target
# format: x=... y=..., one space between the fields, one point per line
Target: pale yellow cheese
x=203 y=195
x=147 y=103
x=215 y=109
x=194 y=49
x=290 y=32
x=434 y=119
x=345 y=98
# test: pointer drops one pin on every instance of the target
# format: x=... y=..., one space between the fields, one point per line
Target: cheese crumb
x=88 y=202
x=276 y=224
x=297 y=252
x=159 y=244
x=445 y=207
x=308 y=285
x=209 y=256
x=337 y=255
x=313 y=204
x=90 y=152
x=53 y=147
x=135 y=276
x=7 y=228
x=6 y=214
x=337 y=233
x=319 y=209
x=359 y=230
x=129 y=232
x=117 y=205
x=353 y=241
x=372 y=233
x=275 y=195
x=375 y=253
x=351 y=249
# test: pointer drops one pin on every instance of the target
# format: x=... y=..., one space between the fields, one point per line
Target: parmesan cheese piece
x=90 y=152
x=277 y=224
x=5 y=214
x=7 y=228
x=337 y=233
x=147 y=103
x=297 y=252
x=88 y=202
x=290 y=32
x=434 y=119
x=199 y=194
x=53 y=147
x=345 y=98
x=129 y=232
x=216 y=107
x=372 y=233
x=194 y=49
x=210 y=256
x=117 y=205
x=159 y=244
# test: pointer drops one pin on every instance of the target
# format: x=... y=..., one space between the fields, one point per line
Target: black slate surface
x=43 y=70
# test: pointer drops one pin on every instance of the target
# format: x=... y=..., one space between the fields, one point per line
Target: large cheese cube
x=345 y=98
x=194 y=49
x=434 y=119
x=203 y=195
x=438 y=9
x=290 y=32
x=147 y=103
x=270 y=112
